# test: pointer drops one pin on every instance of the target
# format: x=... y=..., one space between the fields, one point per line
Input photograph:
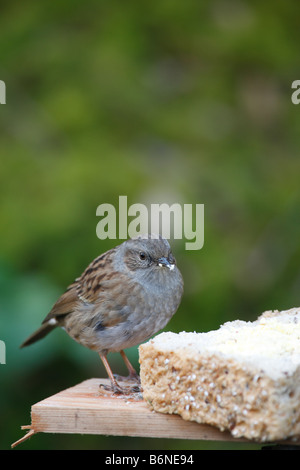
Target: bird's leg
x=114 y=384
x=132 y=372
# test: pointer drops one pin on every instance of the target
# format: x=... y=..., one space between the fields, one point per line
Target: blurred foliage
x=163 y=102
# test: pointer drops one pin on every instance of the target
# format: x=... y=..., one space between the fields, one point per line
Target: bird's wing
x=64 y=305
x=110 y=292
x=99 y=287
x=91 y=283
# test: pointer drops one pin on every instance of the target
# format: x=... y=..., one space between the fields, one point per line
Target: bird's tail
x=44 y=329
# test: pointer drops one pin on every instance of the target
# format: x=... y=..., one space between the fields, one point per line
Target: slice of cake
x=244 y=377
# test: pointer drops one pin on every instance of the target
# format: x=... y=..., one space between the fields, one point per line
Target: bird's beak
x=164 y=262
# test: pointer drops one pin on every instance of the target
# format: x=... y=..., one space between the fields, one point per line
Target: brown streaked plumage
x=122 y=298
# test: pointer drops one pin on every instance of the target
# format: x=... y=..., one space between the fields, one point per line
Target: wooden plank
x=86 y=409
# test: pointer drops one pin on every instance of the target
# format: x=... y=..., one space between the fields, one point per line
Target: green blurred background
x=166 y=101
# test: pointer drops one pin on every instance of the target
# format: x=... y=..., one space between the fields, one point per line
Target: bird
x=123 y=297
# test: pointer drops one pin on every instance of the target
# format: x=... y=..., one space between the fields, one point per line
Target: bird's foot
x=116 y=389
x=134 y=377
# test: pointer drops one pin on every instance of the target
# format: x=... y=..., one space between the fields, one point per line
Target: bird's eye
x=142 y=255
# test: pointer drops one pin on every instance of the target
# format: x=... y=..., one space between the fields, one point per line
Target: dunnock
x=122 y=298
